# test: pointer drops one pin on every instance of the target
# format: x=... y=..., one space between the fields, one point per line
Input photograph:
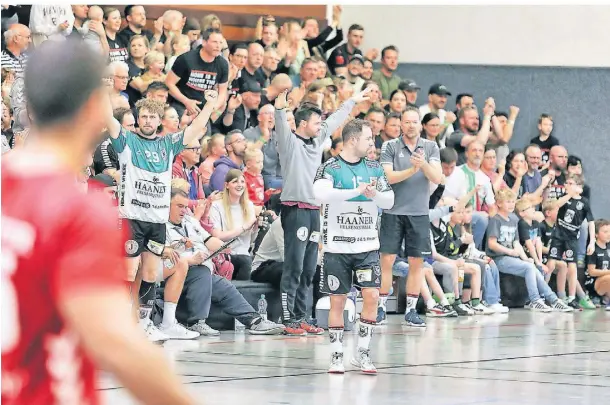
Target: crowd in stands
x=522 y=210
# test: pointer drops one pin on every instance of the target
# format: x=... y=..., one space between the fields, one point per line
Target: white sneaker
x=178 y=332
x=336 y=364
x=539 y=306
x=499 y=308
x=560 y=306
x=204 y=329
x=482 y=310
x=152 y=332
x=363 y=361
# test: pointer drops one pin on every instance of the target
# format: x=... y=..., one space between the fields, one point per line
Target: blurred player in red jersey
x=65 y=308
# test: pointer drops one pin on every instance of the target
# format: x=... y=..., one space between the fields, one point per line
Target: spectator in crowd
x=187 y=87
x=185 y=167
x=411 y=90
x=93 y=30
x=178 y=45
x=437 y=100
x=398 y=102
x=242 y=109
x=192 y=29
x=235 y=144
x=171 y=23
x=353 y=73
x=117 y=49
x=307 y=75
x=336 y=147
x=52 y=22
x=598 y=265
x=557 y=166
x=136 y=21
x=431 y=129
x=464 y=178
x=373 y=103
x=391 y=130
x=14 y=57
x=376 y=118
x=157 y=91
x=154 y=63
x=469 y=129
x=80 y=13
x=202 y=286
x=7 y=132
x=317 y=41
x=262 y=132
x=170 y=122
x=448 y=161
x=367 y=69
x=267 y=32
x=270 y=64
x=233 y=217
x=292 y=48
x=252 y=70
x=515 y=169
x=492 y=170
x=238 y=55
x=574 y=166
x=341 y=55
x=268 y=262
x=138 y=48
x=213 y=148
x=550 y=210
x=461 y=100
x=386 y=77
x=119 y=73
x=504 y=248
x=528 y=233
x=545 y=140
x=532 y=179
x=411 y=164
x=502 y=126
x=255 y=185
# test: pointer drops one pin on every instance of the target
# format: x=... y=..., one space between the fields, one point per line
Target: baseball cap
x=251 y=86
x=408 y=85
x=357 y=58
x=439 y=89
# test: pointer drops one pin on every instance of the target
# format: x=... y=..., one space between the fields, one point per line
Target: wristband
x=511 y=122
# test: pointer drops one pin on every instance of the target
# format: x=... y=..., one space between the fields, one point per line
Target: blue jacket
x=221 y=168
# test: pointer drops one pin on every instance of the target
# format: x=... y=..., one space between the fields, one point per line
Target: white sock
x=365 y=332
x=444 y=301
x=336 y=339
x=431 y=303
x=383 y=301
x=412 y=302
x=571 y=298
x=169 y=313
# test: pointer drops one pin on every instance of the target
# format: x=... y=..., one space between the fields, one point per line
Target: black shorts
x=565 y=250
x=144 y=235
x=340 y=271
x=414 y=230
x=589 y=287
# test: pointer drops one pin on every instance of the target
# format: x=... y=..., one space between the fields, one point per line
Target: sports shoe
x=204 y=329
x=560 y=306
x=586 y=303
x=311 y=329
x=412 y=318
x=363 y=361
x=574 y=304
x=336 y=364
x=608 y=306
x=539 y=306
x=266 y=327
x=178 y=332
x=482 y=309
x=152 y=332
x=381 y=316
x=294 y=329
x=499 y=308
x=462 y=309
x=439 y=311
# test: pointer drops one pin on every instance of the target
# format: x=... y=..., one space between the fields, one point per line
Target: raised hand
x=281 y=101
x=362 y=96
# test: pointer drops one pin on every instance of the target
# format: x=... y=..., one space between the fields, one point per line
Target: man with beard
x=136 y=21
x=264 y=133
x=410 y=163
x=144 y=193
x=469 y=129
x=385 y=77
x=235 y=144
x=354 y=72
x=463 y=179
x=437 y=100
x=544 y=139
x=558 y=163
x=410 y=89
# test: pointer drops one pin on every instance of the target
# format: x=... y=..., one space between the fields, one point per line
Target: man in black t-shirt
x=558 y=161
x=252 y=70
x=136 y=21
x=196 y=71
x=597 y=282
x=341 y=55
x=544 y=139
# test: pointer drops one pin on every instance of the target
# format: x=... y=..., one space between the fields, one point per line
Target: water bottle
x=262 y=307
x=239 y=327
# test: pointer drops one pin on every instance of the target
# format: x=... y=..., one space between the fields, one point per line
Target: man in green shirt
x=385 y=77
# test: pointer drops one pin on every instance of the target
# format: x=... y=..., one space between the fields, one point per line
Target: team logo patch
x=333 y=283
x=315 y=237
x=377 y=270
x=302 y=234
x=554 y=251
x=155 y=247
x=569 y=253
x=364 y=275
x=131 y=247
x=163 y=154
x=579 y=205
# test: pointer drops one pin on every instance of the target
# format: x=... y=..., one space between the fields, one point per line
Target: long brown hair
x=244 y=200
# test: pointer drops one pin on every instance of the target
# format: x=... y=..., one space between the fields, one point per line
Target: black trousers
x=242 y=267
x=269 y=272
x=301 y=234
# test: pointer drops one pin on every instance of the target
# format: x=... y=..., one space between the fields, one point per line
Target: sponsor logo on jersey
x=355 y=220
x=140 y=203
x=347 y=239
x=151 y=188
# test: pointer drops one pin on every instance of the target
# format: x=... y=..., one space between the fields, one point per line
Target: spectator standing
x=242 y=109
x=136 y=21
x=437 y=100
x=185 y=167
x=502 y=126
x=557 y=165
x=545 y=140
x=411 y=90
x=469 y=129
x=386 y=77
x=300 y=155
x=317 y=41
x=138 y=48
x=235 y=144
x=14 y=58
x=117 y=49
x=341 y=55
x=52 y=22
x=80 y=12
x=178 y=45
x=410 y=164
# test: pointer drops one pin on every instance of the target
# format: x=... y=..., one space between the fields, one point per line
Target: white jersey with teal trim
x=351 y=226
x=146 y=174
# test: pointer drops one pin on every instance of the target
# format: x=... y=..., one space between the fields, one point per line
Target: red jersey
x=56 y=241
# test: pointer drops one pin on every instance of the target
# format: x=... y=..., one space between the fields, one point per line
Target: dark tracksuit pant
x=202 y=289
x=300 y=259
x=269 y=272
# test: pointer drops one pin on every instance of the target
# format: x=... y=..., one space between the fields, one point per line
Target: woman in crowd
x=514 y=171
x=367 y=70
x=291 y=47
x=112 y=25
x=138 y=48
x=170 y=122
x=398 y=102
x=489 y=167
x=212 y=149
x=233 y=216
x=154 y=63
x=431 y=128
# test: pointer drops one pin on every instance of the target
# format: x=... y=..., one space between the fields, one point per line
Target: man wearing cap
x=242 y=109
x=437 y=99
x=385 y=77
x=354 y=72
x=410 y=89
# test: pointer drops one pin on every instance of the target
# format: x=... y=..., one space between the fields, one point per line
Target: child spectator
x=597 y=282
x=550 y=209
x=213 y=148
x=504 y=248
x=528 y=233
x=91 y=37
x=154 y=63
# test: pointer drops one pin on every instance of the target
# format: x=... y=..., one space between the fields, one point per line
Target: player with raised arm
x=145 y=161
x=65 y=309
x=352 y=188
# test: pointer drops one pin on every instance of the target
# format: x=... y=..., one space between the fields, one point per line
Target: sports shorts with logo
x=339 y=271
x=565 y=250
x=413 y=229
x=145 y=236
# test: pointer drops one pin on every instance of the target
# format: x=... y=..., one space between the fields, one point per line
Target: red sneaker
x=294 y=329
x=311 y=329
